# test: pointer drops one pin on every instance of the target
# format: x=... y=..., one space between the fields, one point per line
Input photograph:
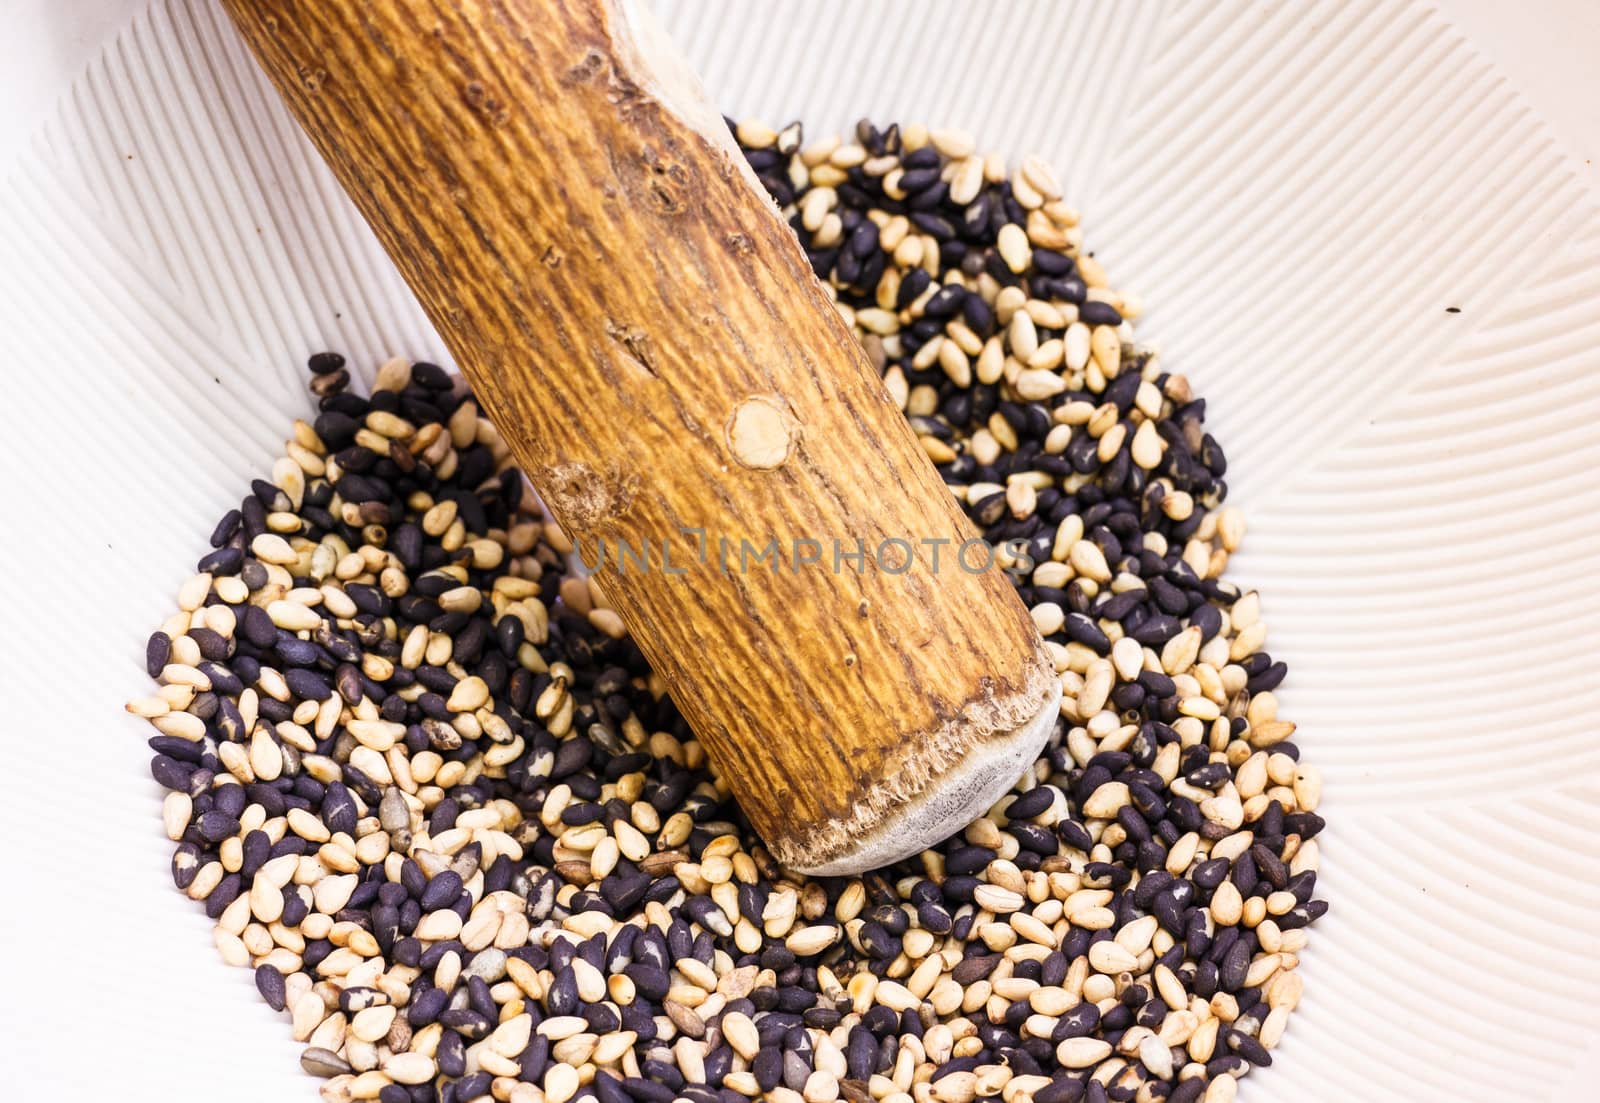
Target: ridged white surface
x=1299 y=191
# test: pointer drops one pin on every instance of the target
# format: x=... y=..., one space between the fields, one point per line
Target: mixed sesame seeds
x=430 y=792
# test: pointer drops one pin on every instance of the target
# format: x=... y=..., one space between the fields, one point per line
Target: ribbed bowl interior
x=1299 y=192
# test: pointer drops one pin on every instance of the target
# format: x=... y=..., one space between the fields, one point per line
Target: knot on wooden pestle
x=586 y=496
x=762 y=433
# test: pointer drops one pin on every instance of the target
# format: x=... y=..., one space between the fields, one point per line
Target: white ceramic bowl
x=1301 y=194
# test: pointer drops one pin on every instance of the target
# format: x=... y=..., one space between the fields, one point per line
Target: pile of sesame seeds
x=432 y=794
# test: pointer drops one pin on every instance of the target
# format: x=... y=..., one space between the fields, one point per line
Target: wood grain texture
x=645 y=330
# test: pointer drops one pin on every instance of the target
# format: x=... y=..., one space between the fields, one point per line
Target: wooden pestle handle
x=646 y=332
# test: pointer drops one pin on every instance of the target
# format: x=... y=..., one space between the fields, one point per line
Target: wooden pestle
x=646 y=332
